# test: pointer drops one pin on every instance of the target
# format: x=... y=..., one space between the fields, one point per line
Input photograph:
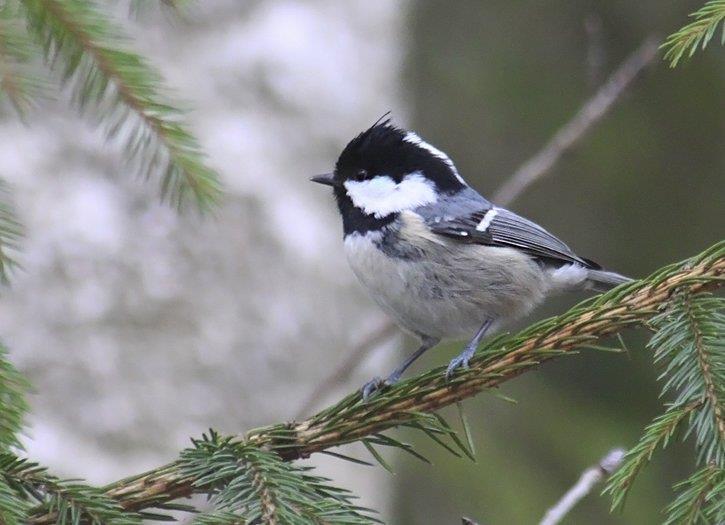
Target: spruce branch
x=701 y=498
x=414 y=403
x=13 y=406
x=690 y=341
x=68 y=502
x=688 y=344
x=177 y=7
x=249 y=485
x=10 y=234
x=656 y=434
x=19 y=81
x=696 y=34
x=125 y=93
x=13 y=509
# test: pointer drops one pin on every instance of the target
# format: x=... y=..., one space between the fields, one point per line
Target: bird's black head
x=386 y=170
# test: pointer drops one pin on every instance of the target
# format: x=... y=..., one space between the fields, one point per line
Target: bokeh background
x=140 y=328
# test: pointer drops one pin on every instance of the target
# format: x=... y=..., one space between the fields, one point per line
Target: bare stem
x=573 y=131
x=589 y=479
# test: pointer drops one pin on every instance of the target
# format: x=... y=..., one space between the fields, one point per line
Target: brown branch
x=266 y=498
x=573 y=131
x=590 y=114
x=351 y=419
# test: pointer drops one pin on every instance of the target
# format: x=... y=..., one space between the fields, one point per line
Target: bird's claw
x=460 y=361
x=373 y=386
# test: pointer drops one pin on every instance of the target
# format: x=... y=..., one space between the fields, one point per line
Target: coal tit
x=440 y=259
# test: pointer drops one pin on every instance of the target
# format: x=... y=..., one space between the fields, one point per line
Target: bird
x=440 y=259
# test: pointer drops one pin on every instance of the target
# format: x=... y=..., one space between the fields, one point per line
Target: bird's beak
x=326 y=178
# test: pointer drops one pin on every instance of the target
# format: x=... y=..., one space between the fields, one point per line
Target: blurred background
x=140 y=328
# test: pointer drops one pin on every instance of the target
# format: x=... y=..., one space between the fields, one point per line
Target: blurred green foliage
x=490 y=82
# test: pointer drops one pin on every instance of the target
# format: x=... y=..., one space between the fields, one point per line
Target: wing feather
x=506 y=229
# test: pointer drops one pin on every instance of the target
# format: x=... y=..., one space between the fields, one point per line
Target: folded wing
x=500 y=227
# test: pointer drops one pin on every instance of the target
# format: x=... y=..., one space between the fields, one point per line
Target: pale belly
x=452 y=289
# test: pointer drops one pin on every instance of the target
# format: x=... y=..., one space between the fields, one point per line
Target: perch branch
x=406 y=403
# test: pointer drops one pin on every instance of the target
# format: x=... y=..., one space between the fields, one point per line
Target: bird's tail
x=602 y=280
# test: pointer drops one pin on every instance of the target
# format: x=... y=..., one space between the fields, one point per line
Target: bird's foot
x=376 y=384
x=372 y=387
x=460 y=361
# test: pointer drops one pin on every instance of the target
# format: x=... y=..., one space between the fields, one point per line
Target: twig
x=351 y=419
x=590 y=113
x=588 y=480
x=574 y=130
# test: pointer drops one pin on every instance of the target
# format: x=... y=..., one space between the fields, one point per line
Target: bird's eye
x=360 y=175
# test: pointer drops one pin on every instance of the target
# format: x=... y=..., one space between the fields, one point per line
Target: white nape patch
x=487 y=220
x=568 y=276
x=413 y=138
x=381 y=195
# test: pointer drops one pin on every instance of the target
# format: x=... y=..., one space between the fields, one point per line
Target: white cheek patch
x=381 y=195
x=413 y=138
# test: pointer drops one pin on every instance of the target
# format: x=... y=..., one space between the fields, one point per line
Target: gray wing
x=499 y=227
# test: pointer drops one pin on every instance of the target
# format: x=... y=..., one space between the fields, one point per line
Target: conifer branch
x=13 y=406
x=688 y=343
x=701 y=498
x=125 y=92
x=257 y=486
x=19 y=82
x=657 y=434
x=413 y=403
x=13 y=509
x=66 y=501
x=10 y=234
x=710 y=365
x=137 y=7
x=696 y=34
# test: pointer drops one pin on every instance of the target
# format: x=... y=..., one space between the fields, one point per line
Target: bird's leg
x=427 y=344
x=461 y=361
x=377 y=383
